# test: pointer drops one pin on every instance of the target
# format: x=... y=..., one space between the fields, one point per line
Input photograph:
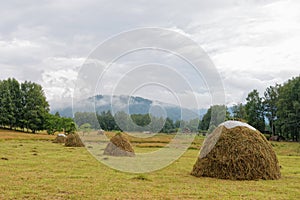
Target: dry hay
x=237 y=153
x=73 y=140
x=277 y=138
x=100 y=132
x=59 y=139
x=119 y=145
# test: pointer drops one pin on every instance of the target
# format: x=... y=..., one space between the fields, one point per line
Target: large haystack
x=237 y=151
x=119 y=145
x=73 y=140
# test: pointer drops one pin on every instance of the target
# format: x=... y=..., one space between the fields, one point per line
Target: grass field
x=32 y=167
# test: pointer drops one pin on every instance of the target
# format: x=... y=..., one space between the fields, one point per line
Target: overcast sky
x=252 y=43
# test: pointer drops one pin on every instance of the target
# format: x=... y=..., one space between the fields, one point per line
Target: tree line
x=135 y=122
x=24 y=106
x=277 y=111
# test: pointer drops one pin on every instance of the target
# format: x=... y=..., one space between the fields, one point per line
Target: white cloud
x=58 y=86
x=253 y=46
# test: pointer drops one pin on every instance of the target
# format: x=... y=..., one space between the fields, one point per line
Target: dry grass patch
x=16 y=135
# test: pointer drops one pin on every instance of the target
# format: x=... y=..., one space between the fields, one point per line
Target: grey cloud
x=237 y=34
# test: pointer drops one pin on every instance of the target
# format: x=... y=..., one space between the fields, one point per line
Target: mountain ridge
x=131 y=105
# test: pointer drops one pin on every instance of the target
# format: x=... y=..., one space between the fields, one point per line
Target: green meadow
x=32 y=167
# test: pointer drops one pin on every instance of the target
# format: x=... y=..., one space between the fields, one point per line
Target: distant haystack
x=100 y=132
x=60 y=138
x=73 y=140
x=277 y=138
x=119 y=145
x=237 y=151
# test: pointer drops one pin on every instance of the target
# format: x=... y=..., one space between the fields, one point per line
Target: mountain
x=131 y=105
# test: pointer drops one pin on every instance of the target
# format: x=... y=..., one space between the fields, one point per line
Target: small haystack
x=277 y=138
x=60 y=138
x=237 y=151
x=119 y=145
x=100 y=132
x=73 y=140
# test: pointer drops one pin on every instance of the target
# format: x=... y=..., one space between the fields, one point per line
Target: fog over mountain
x=131 y=105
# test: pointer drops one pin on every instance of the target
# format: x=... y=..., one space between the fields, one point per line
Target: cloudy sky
x=252 y=43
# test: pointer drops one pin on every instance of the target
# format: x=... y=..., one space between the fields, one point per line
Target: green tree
x=204 y=125
x=214 y=116
x=270 y=108
x=140 y=119
x=177 y=124
x=16 y=95
x=107 y=121
x=53 y=123
x=10 y=101
x=288 y=109
x=255 y=111
x=68 y=125
x=239 y=112
x=6 y=109
x=35 y=106
x=168 y=126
